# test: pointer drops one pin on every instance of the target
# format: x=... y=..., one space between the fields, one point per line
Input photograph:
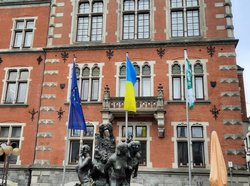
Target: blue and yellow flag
x=129 y=99
x=76 y=117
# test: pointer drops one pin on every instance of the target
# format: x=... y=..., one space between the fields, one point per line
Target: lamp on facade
x=6 y=150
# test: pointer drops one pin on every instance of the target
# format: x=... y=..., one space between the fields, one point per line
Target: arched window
x=199 y=81
x=88 y=79
x=143 y=79
x=176 y=81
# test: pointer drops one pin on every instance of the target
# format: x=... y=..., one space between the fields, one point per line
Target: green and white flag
x=189 y=81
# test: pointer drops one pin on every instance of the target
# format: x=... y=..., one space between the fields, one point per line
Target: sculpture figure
x=117 y=167
x=134 y=158
x=84 y=166
x=111 y=166
x=104 y=148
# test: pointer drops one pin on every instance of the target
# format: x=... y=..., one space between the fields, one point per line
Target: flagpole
x=126 y=125
x=126 y=116
x=189 y=144
x=129 y=97
x=65 y=157
x=67 y=137
x=188 y=126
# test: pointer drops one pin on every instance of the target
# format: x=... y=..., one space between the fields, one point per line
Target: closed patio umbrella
x=218 y=169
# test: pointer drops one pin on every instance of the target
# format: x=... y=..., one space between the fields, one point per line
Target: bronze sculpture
x=112 y=165
x=84 y=166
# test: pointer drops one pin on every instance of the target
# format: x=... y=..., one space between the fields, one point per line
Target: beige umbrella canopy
x=218 y=169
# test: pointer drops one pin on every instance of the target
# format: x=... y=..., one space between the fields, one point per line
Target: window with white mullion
x=178 y=81
x=197 y=147
x=185 y=18
x=143 y=26
x=193 y=23
x=82 y=29
x=138 y=132
x=16 y=86
x=23 y=33
x=88 y=79
x=90 y=21
x=96 y=30
x=143 y=83
x=136 y=19
x=128 y=26
x=10 y=134
x=78 y=138
x=177 y=24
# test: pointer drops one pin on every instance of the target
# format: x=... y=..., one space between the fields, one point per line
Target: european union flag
x=76 y=118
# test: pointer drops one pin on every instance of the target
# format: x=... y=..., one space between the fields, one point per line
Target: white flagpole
x=65 y=157
x=126 y=125
x=188 y=126
x=126 y=113
x=67 y=137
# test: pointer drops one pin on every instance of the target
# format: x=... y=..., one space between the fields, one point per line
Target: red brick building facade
x=39 y=41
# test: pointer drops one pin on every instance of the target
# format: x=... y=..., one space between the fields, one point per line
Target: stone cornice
x=146 y=44
x=13 y=51
x=23 y=2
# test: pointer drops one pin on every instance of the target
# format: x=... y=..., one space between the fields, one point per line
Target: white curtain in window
x=199 y=88
x=176 y=88
x=122 y=87
x=137 y=88
x=85 y=89
x=146 y=87
x=95 y=89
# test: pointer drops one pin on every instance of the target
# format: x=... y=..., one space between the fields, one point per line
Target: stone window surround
x=22 y=125
x=90 y=65
x=192 y=62
x=75 y=5
x=7 y=69
x=140 y=64
x=119 y=138
x=205 y=137
x=81 y=138
x=14 y=20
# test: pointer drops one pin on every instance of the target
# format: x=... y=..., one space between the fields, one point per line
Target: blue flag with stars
x=76 y=118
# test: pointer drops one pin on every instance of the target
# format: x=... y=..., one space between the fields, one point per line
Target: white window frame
x=141 y=64
x=18 y=69
x=25 y=19
x=205 y=138
x=81 y=138
x=119 y=138
x=21 y=138
x=184 y=9
x=90 y=66
x=74 y=25
x=181 y=63
x=120 y=21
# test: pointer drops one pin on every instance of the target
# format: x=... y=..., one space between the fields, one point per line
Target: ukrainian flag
x=129 y=99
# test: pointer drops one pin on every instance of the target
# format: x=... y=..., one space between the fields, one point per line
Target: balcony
x=146 y=107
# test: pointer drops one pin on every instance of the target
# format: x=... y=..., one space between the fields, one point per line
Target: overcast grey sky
x=241 y=20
